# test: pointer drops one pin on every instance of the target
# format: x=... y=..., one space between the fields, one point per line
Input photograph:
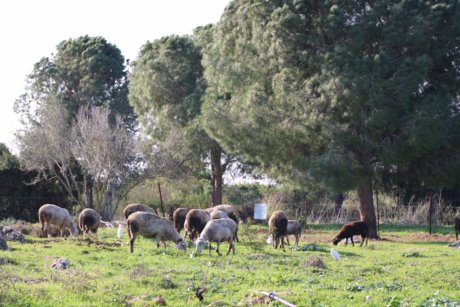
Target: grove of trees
x=333 y=95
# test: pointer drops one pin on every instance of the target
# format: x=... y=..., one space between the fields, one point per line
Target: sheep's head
x=336 y=240
x=182 y=245
x=73 y=229
x=200 y=244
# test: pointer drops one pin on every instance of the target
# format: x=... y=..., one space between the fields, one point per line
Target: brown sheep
x=179 y=218
x=457 y=225
x=195 y=221
x=130 y=209
x=89 y=220
x=152 y=226
x=51 y=214
x=351 y=229
x=278 y=228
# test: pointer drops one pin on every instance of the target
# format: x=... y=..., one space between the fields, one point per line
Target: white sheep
x=217 y=214
x=89 y=220
x=195 y=221
x=51 y=214
x=220 y=230
x=293 y=228
x=152 y=226
x=130 y=209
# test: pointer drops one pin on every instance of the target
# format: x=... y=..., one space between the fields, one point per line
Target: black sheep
x=351 y=229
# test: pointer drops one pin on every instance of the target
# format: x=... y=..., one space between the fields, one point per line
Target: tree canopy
x=338 y=92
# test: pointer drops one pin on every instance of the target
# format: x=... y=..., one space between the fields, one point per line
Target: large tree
x=166 y=88
x=338 y=91
x=86 y=71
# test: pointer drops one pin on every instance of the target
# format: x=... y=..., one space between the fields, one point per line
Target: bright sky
x=31 y=29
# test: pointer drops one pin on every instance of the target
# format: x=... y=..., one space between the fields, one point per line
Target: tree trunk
x=366 y=207
x=217 y=176
x=89 y=191
x=108 y=204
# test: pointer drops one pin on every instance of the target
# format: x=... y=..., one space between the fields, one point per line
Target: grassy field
x=407 y=268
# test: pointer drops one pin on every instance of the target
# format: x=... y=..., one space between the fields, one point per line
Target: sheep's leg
x=131 y=242
x=217 y=250
x=209 y=245
x=352 y=243
x=287 y=241
x=230 y=247
x=346 y=241
x=297 y=237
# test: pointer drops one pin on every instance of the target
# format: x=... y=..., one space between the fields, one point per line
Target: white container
x=260 y=211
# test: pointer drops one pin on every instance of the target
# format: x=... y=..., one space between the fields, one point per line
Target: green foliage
x=338 y=93
x=103 y=272
x=84 y=71
x=241 y=194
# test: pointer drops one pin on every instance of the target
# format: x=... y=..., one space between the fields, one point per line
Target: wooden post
x=377 y=207
x=161 y=200
x=429 y=213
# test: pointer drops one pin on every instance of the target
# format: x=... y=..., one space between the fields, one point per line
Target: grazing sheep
x=152 y=226
x=179 y=218
x=89 y=220
x=195 y=221
x=351 y=229
x=130 y=209
x=278 y=228
x=227 y=209
x=293 y=228
x=217 y=214
x=457 y=225
x=246 y=212
x=52 y=214
x=220 y=230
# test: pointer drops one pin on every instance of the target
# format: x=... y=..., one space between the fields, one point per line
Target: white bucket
x=260 y=211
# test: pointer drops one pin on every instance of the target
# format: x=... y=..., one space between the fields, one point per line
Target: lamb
x=278 y=228
x=457 y=225
x=293 y=228
x=179 y=218
x=52 y=214
x=153 y=226
x=220 y=230
x=89 y=220
x=130 y=209
x=351 y=229
x=195 y=221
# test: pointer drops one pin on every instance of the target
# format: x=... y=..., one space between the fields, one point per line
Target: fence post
x=161 y=200
x=429 y=213
x=377 y=207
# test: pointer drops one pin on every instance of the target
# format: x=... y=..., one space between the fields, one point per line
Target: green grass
x=403 y=270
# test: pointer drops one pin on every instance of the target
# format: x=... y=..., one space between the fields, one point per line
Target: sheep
x=229 y=210
x=278 y=228
x=217 y=214
x=195 y=221
x=89 y=220
x=219 y=230
x=457 y=225
x=351 y=229
x=129 y=209
x=52 y=214
x=293 y=228
x=179 y=218
x=151 y=225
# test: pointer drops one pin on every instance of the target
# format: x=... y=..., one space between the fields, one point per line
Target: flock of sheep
x=216 y=224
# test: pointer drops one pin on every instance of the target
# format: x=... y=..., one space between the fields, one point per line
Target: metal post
x=161 y=200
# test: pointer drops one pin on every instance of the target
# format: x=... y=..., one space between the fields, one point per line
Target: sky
x=31 y=29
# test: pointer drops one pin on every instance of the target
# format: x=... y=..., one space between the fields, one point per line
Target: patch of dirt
x=314 y=261
x=140 y=271
x=90 y=242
